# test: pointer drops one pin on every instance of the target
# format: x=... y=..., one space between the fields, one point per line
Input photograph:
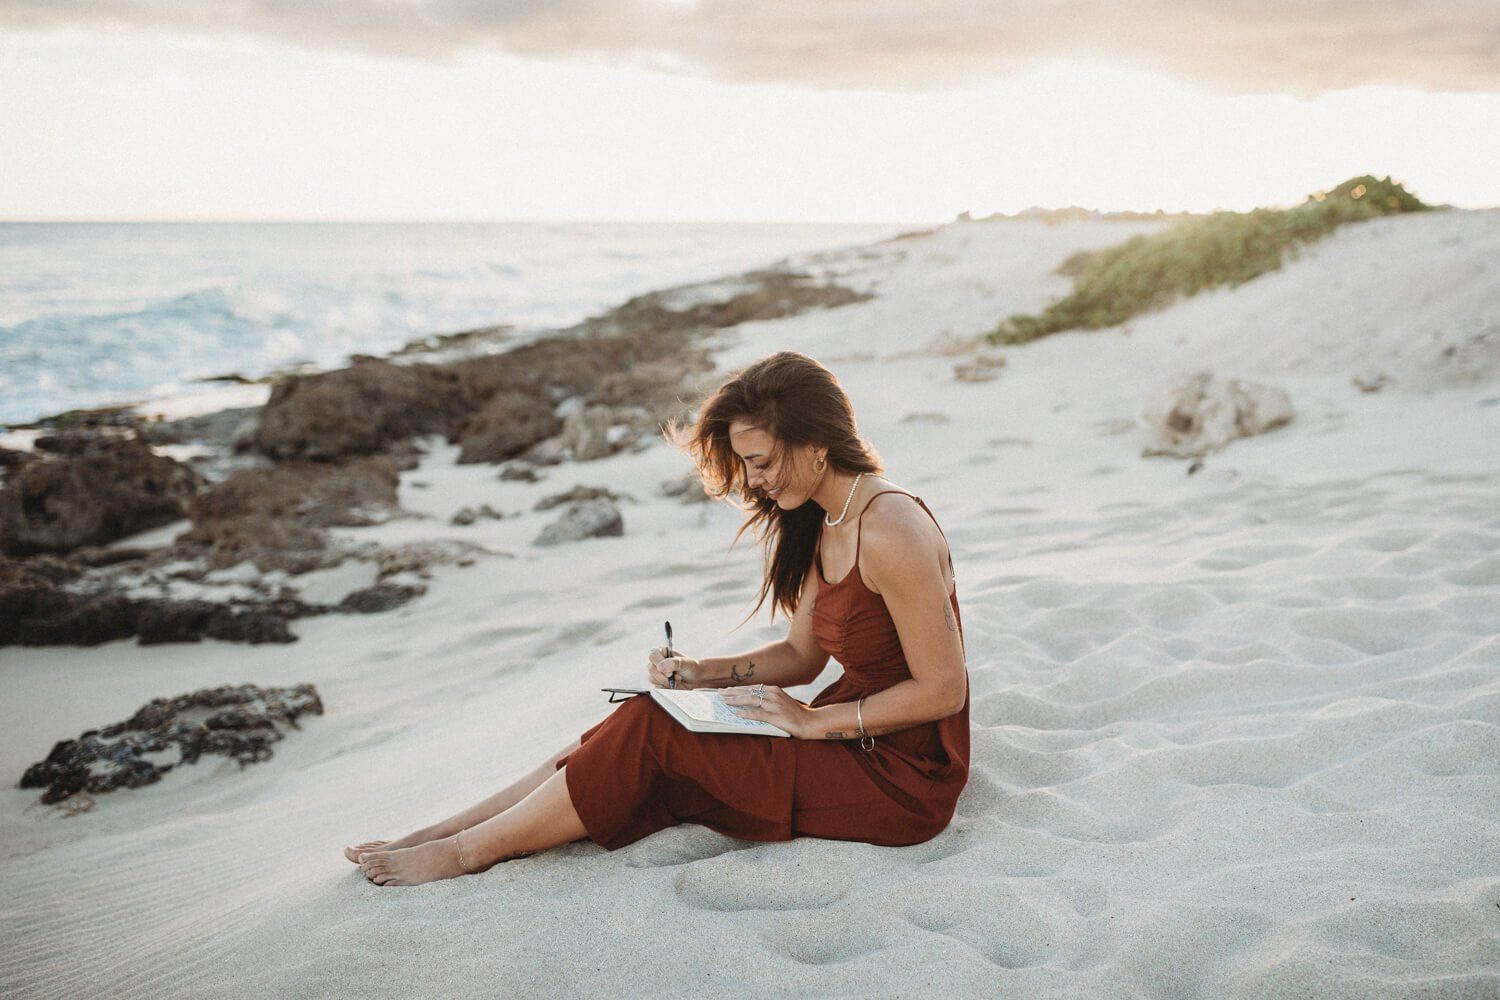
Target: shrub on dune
x=1225 y=248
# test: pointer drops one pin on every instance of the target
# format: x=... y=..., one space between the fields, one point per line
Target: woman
x=879 y=756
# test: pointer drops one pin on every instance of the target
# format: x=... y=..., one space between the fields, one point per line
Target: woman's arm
x=905 y=562
x=775 y=663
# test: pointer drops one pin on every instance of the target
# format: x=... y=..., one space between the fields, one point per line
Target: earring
x=819 y=464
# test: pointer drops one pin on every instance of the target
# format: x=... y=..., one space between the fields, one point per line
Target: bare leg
x=545 y=818
x=477 y=813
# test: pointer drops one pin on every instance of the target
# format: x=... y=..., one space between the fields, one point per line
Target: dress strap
x=860 y=523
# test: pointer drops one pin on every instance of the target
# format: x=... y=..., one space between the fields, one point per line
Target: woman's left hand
x=777 y=707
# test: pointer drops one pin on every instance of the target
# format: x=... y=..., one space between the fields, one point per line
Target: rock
x=589 y=519
x=464 y=516
x=230 y=429
x=361 y=409
x=519 y=474
x=244 y=727
x=548 y=452
x=982 y=368
x=485 y=510
x=417 y=557
x=380 y=597
x=277 y=516
x=509 y=423
x=1204 y=413
x=36 y=610
x=576 y=495
x=688 y=488
x=585 y=433
x=1372 y=382
x=90 y=490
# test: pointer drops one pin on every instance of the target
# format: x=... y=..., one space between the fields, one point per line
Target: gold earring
x=819 y=464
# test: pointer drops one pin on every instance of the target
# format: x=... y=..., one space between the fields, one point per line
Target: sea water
x=94 y=314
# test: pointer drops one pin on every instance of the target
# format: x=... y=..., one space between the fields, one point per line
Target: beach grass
x=1224 y=248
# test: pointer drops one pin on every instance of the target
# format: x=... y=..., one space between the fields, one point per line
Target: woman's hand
x=777 y=707
x=661 y=668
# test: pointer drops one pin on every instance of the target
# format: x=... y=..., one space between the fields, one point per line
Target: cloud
x=1256 y=46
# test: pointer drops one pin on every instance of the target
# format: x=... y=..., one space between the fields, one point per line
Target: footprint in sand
x=761 y=881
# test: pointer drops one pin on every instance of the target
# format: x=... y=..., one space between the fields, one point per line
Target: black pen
x=671 y=681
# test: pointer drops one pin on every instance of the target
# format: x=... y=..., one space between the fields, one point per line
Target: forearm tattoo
x=738 y=677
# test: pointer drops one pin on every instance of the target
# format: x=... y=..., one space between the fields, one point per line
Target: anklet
x=460 y=845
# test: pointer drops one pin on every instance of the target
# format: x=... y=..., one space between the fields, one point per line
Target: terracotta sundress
x=639 y=771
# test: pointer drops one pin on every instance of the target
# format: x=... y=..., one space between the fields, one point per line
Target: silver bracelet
x=859 y=712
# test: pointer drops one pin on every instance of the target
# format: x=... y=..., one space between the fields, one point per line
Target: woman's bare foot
x=429 y=862
x=355 y=850
x=421 y=836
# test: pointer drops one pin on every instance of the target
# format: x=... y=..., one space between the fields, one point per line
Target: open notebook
x=703 y=710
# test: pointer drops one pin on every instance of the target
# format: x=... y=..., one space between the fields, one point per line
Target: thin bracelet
x=859 y=711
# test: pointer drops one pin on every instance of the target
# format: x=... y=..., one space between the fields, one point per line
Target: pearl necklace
x=844 y=513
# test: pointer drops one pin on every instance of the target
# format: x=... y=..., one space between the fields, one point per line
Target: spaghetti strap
x=860 y=523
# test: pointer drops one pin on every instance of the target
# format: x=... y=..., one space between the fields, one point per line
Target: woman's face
x=790 y=484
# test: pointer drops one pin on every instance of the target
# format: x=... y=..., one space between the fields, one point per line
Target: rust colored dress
x=639 y=771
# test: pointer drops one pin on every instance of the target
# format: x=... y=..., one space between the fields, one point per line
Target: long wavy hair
x=797 y=402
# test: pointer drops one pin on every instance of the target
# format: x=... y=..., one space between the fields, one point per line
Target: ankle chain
x=460 y=845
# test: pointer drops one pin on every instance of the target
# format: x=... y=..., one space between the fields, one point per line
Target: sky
x=816 y=110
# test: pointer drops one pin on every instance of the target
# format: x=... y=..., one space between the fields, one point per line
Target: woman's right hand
x=661 y=668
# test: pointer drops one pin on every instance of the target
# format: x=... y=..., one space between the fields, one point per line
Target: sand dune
x=1236 y=733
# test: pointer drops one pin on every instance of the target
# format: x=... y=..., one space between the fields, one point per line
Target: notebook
x=703 y=710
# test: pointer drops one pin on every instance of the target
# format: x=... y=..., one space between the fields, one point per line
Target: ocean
x=93 y=314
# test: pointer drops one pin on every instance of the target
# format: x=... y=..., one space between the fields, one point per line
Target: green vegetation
x=1225 y=248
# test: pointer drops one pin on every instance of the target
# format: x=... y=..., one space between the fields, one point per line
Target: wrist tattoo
x=836 y=736
x=735 y=675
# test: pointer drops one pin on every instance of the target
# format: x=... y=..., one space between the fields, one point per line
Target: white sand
x=1236 y=734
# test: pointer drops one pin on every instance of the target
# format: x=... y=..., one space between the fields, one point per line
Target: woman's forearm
x=900 y=706
x=775 y=663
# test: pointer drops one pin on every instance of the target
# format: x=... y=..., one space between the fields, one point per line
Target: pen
x=671 y=681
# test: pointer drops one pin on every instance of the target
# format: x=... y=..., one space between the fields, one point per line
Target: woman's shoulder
x=894 y=518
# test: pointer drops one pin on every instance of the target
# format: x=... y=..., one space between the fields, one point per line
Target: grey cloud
x=1257 y=46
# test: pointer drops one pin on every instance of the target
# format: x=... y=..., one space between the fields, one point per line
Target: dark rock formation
x=380 y=597
x=240 y=722
x=276 y=516
x=37 y=608
x=508 y=424
x=360 y=409
x=87 y=489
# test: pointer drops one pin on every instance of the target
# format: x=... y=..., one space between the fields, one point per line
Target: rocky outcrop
x=597 y=518
x=88 y=489
x=506 y=426
x=361 y=409
x=43 y=602
x=242 y=723
x=276 y=516
x=1191 y=418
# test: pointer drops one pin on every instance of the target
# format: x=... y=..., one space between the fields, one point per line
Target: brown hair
x=798 y=402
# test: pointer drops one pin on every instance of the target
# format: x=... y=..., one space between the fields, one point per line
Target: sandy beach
x=1236 y=732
